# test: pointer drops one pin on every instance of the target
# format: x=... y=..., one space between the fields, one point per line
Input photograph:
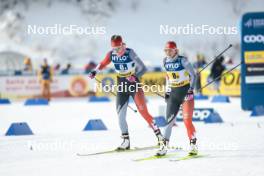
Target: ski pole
x=134 y=110
x=215 y=58
x=220 y=76
x=210 y=81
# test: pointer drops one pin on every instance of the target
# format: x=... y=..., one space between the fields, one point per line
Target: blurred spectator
x=198 y=65
x=66 y=70
x=157 y=69
x=90 y=66
x=217 y=69
x=27 y=65
x=200 y=61
x=45 y=75
x=57 y=67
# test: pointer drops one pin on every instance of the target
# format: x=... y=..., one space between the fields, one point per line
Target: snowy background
x=137 y=21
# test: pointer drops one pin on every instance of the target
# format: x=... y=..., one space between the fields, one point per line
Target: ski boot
x=164 y=145
x=193 y=147
x=125 y=145
x=159 y=136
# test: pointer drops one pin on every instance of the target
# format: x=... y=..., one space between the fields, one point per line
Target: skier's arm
x=167 y=87
x=188 y=66
x=140 y=66
x=100 y=66
x=104 y=63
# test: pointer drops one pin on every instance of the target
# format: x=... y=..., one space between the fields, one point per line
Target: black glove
x=92 y=74
x=167 y=95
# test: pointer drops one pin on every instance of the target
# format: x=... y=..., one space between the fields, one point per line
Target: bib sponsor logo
x=119 y=58
x=172 y=66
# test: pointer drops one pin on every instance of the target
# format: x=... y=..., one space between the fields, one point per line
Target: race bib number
x=121 y=67
x=173 y=76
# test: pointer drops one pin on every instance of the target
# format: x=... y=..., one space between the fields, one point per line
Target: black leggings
x=174 y=102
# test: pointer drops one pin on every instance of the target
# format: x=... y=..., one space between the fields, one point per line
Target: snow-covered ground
x=234 y=147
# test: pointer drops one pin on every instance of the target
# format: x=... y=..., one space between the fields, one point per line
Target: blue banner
x=252 y=55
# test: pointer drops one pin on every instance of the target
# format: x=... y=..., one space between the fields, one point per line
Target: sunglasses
x=117 y=49
x=169 y=50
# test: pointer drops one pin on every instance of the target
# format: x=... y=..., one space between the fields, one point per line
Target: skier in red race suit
x=129 y=68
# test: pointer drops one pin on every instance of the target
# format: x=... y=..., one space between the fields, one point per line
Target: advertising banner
x=229 y=85
x=252 y=56
x=16 y=87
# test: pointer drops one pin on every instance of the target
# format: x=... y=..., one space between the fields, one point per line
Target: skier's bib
x=177 y=74
x=124 y=65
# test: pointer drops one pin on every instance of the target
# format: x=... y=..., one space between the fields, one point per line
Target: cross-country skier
x=180 y=82
x=129 y=68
